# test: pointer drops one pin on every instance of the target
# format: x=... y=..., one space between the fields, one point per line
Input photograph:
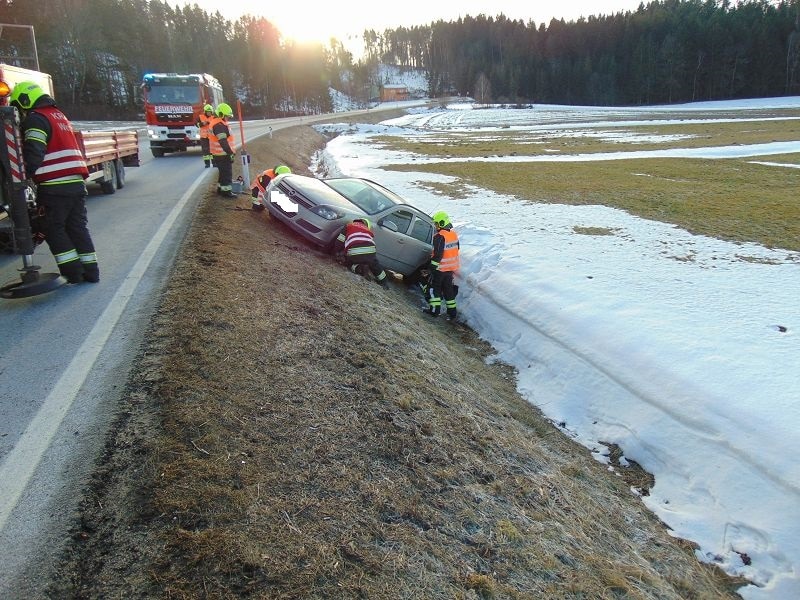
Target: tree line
x=666 y=51
x=97 y=52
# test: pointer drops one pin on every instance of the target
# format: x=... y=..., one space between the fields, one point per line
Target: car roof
x=318 y=191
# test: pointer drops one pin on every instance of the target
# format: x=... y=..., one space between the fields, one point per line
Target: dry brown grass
x=295 y=431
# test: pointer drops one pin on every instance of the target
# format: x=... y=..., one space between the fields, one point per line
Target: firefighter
x=204 y=125
x=360 y=250
x=444 y=263
x=54 y=161
x=220 y=140
x=262 y=181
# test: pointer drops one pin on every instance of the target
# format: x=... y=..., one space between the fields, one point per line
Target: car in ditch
x=319 y=209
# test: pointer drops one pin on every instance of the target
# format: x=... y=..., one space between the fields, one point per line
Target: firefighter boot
x=72 y=271
x=92 y=275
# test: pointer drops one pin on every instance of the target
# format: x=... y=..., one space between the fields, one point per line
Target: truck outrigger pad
x=32 y=283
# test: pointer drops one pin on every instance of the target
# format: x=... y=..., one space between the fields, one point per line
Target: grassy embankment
x=294 y=431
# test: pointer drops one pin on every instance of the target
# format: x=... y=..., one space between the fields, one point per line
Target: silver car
x=319 y=209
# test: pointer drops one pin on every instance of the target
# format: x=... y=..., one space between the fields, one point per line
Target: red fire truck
x=172 y=105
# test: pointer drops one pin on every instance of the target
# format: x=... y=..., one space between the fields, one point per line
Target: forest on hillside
x=666 y=51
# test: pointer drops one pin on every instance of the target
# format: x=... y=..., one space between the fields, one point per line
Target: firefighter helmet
x=282 y=170
x=365 y=221
x=25 y=94
x=224 y=110
x=441 y=219
x=208 y=108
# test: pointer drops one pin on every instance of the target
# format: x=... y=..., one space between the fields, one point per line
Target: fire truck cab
x=172 y=104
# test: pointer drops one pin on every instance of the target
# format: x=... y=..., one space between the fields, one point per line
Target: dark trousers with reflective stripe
x=225 y=168
x=206 y=150
x=443 y=289
x=66 y=229
x=370 y=260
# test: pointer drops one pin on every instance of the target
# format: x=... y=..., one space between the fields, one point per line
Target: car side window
x=401 y=218
x=422 y=231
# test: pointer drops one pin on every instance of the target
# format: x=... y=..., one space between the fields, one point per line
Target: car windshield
x=174 y=94
x=368 y=197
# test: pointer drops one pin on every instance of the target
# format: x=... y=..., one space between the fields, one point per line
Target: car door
x=403 y=237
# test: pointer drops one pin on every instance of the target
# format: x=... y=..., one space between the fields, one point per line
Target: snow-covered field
x=691 y=367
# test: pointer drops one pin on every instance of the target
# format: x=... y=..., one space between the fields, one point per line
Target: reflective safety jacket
x=358 y=240
x=63 y=160
x=261 y=183
x=445 y=250
x=220 y=138
x=204 y=125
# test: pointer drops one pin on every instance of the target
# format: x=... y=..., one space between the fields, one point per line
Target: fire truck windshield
x=173 y=94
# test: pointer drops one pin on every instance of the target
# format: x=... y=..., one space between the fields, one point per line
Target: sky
x=321 y=19
x=682 y=349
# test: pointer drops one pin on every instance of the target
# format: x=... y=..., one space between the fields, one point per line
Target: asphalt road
x=65 y=355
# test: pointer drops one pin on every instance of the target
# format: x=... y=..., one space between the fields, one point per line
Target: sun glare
x=316 y=22
x=307 y=31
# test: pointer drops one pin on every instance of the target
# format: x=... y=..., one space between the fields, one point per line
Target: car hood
x=316 y=191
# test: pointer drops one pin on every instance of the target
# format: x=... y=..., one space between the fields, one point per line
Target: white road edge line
x=21 y=463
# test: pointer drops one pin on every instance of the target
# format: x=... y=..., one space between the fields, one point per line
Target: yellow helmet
x=365 y=221
x=224 y=110
x=282 y=169
x=25 y=94
x=440 y=219
x=208 y=108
